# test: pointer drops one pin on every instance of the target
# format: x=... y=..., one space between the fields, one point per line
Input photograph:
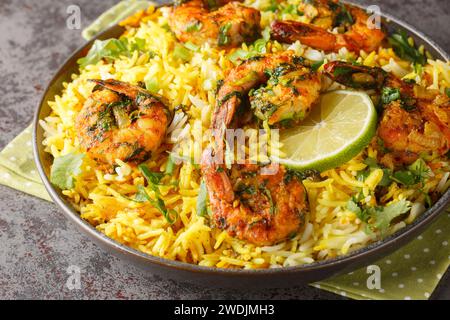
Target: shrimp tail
x=310 y=35
x=119 y=87
x=354 y=76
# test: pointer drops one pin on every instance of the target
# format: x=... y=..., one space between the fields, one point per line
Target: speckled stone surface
x=37 y=244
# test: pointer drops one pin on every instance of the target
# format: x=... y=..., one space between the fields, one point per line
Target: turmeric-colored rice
x=103 y=198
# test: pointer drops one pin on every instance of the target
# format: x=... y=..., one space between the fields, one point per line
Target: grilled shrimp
x=289 y=92
x=414 y=120
x=351 y=21
x=262 y=209
x=121 y=121
x=228 y=26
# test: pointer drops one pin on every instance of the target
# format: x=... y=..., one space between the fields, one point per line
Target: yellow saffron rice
x=103 y=198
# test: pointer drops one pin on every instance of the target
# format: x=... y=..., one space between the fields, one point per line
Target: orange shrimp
x=227 y=27
x=260 y=208
x=353 y=21
x=414 y=121
x=121 y=121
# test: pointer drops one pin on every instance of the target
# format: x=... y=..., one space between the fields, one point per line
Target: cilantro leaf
x=170 y=166
x=353 y=207
x=65 y=169
x=384 y=215
x=182 y=53
x=386 y=180
x=404 y=177
x=416 y=173
x=224 y=39
x=316 y=65
x=390 y=94
x=196 y=26
x=153 y=179
x=111 y=49
x=371 y=162
x=202 y=199
x=170 y=215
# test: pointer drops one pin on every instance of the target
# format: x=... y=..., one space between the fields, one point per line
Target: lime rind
x=347 y=151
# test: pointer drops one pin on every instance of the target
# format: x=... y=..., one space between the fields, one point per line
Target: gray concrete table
x=37 y=244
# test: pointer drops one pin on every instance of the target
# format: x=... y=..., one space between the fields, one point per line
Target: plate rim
x=403 y=235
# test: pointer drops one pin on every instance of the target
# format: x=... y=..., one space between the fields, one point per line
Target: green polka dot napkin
x=412 y=272
x=17 y=168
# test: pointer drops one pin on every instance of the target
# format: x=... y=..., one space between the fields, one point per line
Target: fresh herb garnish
x=202 y=199
x=300 y=175
x=384 y=215
x=65 y=169
x=153 y=180
x=196 y=26
x=182 y=53
x=223 y=34
x=268 y=195
x=316 y=65
x=170 y=165
x=447 y=92
x=379 y=218
x=344 y=18
x=170 y=215
x=416 y=173
x=372 y=164
x=290 y=9
x=111 y=49
x=404 y=177
x=402 y=47
x=390 y=94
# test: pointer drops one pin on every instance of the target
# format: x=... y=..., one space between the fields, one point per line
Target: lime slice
x=337 y=129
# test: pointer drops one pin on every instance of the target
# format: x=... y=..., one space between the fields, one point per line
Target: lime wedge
x=337 y=129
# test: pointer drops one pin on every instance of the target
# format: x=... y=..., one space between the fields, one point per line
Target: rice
x=103 y=199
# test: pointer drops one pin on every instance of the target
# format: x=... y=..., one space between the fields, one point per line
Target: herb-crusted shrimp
x=222 y=24
x=351 y=22
x=414 y=120
x=121 y=121
x=262 y=204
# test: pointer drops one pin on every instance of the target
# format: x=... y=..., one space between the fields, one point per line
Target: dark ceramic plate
x=282 y=277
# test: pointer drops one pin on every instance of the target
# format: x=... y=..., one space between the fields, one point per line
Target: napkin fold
x=412 y=272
